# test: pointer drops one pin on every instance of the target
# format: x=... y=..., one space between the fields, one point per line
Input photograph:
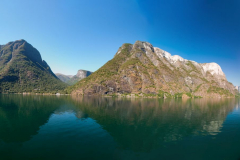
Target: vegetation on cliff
x=141 y=69
x=23 y=70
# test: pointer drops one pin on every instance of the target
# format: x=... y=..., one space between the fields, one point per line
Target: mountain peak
x=22 y=69
x=144 y=46
x=83 y=73
x=20 y=40
x=140 y=68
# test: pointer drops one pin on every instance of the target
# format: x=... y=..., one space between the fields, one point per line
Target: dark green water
x=65 y=127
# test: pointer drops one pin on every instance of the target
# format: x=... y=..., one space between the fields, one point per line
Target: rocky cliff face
x=71 y=80
x=83 y=73
x=23 y=70
x=143 y=69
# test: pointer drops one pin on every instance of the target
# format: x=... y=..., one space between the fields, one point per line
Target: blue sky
x=85 y=34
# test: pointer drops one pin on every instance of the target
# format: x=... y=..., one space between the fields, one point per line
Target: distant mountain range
x=141 y=70
x=23 y=70
x=63 y=77
x=73 y=79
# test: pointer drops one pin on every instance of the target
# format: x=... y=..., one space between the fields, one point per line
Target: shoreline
x=122 y=96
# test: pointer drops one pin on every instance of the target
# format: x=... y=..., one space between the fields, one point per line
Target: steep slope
x=23 y=70
x=146 y=70
x=63 y=77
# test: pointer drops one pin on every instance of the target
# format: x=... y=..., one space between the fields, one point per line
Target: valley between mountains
x=136 y=70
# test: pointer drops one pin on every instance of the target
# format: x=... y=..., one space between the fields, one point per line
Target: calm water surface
x=65 y=127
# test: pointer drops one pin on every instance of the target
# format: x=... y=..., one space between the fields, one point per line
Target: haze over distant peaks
x=63 y=77
x=72 y=79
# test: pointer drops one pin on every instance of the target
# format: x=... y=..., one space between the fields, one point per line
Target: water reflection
x=144 y=124
x=120 y=125
x=21 y=116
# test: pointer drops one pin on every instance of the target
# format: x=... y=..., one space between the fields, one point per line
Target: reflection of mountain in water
x=144 y=124
x=21 y=116
x=136 y=124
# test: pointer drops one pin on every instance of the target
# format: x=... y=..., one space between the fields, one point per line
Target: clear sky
x=85 y=34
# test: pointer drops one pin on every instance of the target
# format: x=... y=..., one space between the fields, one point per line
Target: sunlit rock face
x=83 y=73
x=213 y=68
x=141 y=68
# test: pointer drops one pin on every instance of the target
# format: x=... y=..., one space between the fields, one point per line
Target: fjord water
x=66 y=127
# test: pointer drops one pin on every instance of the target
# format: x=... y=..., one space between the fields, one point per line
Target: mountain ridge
x=142 y=69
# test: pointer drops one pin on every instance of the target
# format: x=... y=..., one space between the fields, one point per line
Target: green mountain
x=143 y=70
x=23 y=70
